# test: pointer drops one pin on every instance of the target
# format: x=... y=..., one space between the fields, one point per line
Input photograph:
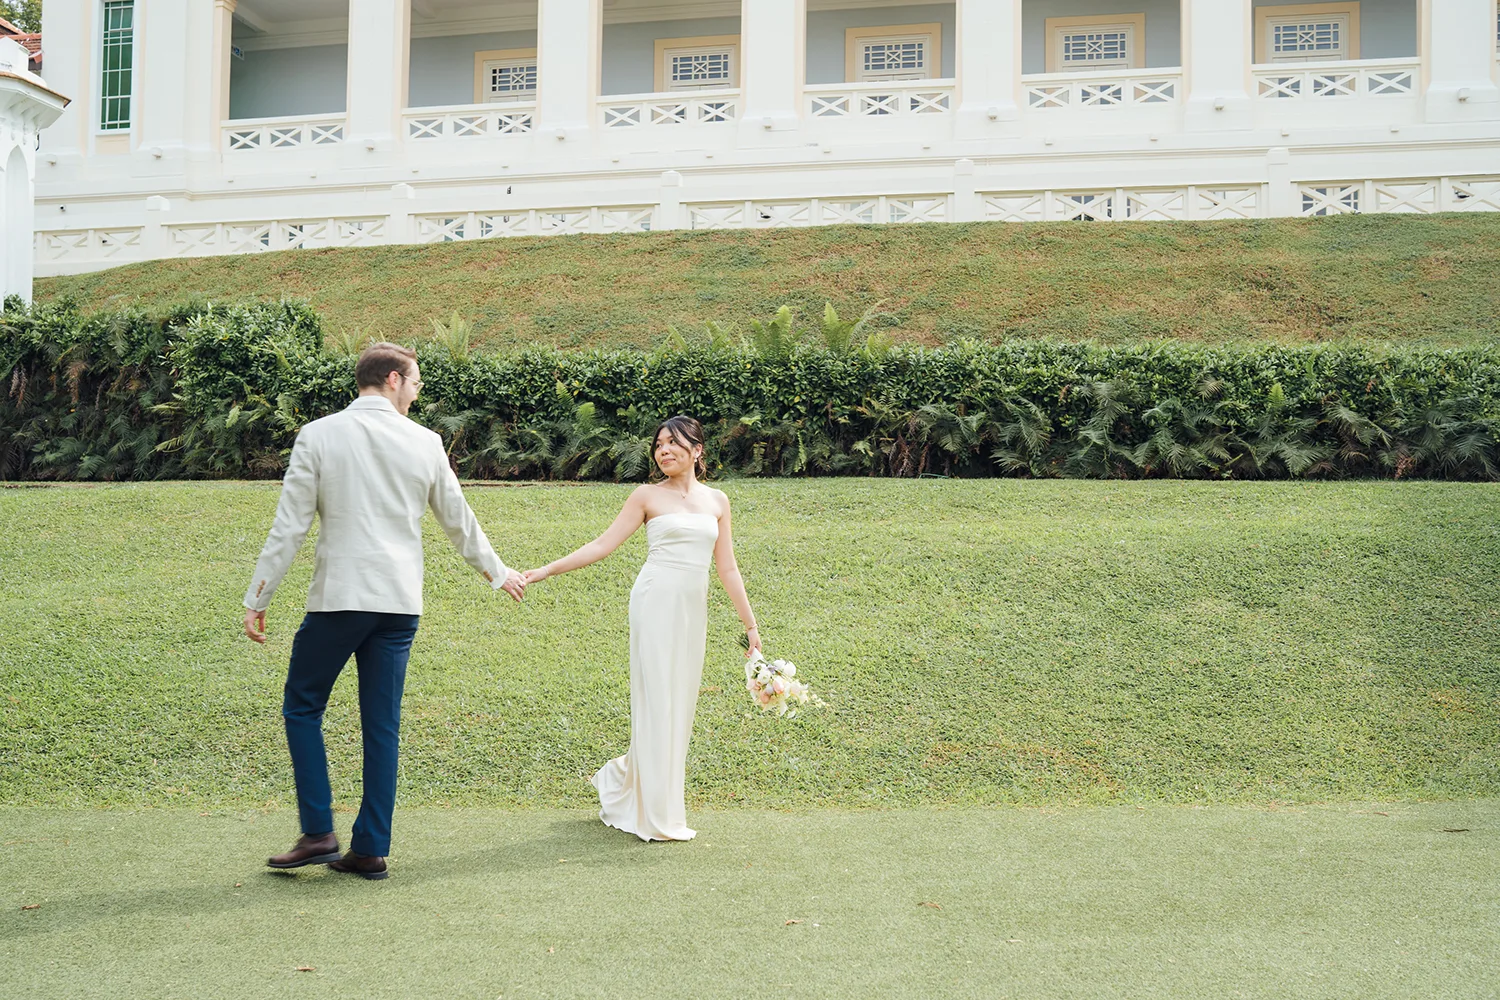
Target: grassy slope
x=982 y=642
x=1433 y=279
x=1324 y=902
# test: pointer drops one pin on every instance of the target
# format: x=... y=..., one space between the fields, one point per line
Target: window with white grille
x=1308 y=39
x=699 y=68
x=502 y=75
x=1096 y=49
x=1087 y=42
x=887 y=52
x=894 y=58
x=1315 y=32
x=117 y=62
x=509 y=79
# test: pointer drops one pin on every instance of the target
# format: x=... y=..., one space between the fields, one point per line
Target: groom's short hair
x=378 y=360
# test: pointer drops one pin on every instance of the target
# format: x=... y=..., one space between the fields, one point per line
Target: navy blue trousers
x=381 y=645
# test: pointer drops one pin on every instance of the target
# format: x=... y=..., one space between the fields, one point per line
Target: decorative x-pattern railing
x=796 y=213
x=903 y=98
x=456 y=226
x=702 y=107
x=1102 y=89
x=1124 y=204
x=461 y=121
x=284 y=133
x=1367 y=78
x=200 y=239
x=89 y=244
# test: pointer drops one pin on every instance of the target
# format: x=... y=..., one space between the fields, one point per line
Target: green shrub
x=220 y=391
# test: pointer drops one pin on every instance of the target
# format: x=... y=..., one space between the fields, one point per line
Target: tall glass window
x=117 y=62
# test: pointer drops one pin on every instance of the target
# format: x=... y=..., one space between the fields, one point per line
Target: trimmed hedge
x=220 y=391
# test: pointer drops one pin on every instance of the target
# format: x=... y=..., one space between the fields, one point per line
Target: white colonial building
x=26 y=107
x=232 y=126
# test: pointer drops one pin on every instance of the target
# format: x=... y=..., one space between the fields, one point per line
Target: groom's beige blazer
x=368 y=473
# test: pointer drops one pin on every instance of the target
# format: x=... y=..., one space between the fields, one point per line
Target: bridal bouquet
x=773 y=687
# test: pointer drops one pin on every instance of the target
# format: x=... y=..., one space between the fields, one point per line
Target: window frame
x=856 y=38
x=481 y=81
x=1056 y=27
x=1265 y=17
x=667 y=47
x=132 y=99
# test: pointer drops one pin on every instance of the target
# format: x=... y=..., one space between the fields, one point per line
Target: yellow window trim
x=853 y=36
x=480 y=58
x=698 y=42
x=1055 y=24
x=1263 y=15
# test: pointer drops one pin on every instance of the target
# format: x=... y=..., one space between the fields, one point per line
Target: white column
x=1458 y=58
x=1281 y=193
x=965 y=192
x=988 y=65
x=669 y=214
x=773 y=64
x=569 y=37
x=379 y=56
x=1216 y=53
x=165 y=83
x=68 y=27
x=206 y=105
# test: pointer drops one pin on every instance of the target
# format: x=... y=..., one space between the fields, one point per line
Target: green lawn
x=1349 y=901
x=980 y=642
x=1433 y=279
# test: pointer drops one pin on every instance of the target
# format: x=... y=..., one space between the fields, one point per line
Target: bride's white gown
x=642 y=792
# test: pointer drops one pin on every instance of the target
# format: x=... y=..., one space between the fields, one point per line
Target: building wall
x=825 y=35
x=1387 y=28
x=301 y=81
x=442 y=69
x=1163 y=27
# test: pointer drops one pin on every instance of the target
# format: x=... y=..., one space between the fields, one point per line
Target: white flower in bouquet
x=772 y=688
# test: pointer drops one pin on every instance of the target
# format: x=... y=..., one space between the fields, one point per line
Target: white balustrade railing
x=452 y=226
x=115 y=243
x=1126 y=204
x=284 y=133
x=700 y=107
x=870 y=100
x=1417 y=196
x=463 y=120
x=1364 y=78
x=1103 y=88
x=798 y=212
x=208 y=238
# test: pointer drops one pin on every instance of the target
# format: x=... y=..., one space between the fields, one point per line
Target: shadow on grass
x=578 y=842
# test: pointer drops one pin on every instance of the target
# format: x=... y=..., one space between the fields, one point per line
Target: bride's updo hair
x=685 y=431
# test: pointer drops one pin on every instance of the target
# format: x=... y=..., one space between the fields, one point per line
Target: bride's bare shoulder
x=721 y=498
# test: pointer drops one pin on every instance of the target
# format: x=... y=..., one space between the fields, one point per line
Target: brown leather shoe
x=364 y=865
x=309 y=850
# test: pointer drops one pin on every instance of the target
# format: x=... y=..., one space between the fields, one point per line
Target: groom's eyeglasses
x=416 y=382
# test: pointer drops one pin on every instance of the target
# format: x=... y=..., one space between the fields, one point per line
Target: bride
x=687 y=524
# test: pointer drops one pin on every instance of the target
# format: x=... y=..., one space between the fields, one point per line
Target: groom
x=368 y=473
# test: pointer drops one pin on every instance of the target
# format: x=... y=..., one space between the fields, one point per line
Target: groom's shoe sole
x=317 y=859
x=372 y=876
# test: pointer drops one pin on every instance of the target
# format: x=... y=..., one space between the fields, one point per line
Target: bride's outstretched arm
x=631 y=517
x=734 y=584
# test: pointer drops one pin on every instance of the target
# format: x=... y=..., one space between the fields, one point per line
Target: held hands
x=514 y=585
x=536 y=575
